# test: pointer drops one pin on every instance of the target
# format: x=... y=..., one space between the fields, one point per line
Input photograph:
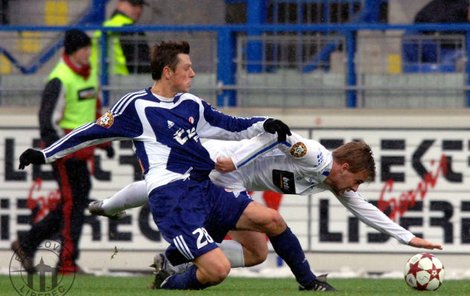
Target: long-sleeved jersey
x=298 y=168
x=166 y=134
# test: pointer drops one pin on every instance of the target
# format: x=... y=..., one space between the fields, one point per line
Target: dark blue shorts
x=192 y=216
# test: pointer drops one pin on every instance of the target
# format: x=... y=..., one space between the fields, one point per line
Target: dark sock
x=184 y=281
x=287 y=246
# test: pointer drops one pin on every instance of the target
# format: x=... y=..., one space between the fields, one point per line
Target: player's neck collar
x=163 y=99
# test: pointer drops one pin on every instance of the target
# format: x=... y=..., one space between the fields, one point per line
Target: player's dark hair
x=166 y=54
x=359 y=157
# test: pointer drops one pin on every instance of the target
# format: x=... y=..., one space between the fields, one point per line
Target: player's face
x=183 y=74
x=346 y=180
x=136 y=12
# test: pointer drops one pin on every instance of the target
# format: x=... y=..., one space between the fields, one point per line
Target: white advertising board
x=422 y=182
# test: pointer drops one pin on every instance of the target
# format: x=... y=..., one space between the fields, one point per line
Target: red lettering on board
x=44 y=202
x=399 y=205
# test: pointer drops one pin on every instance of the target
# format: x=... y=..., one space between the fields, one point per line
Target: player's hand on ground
x=31 y=156
x=224 y=164
x=272 y=126
x=422 y=243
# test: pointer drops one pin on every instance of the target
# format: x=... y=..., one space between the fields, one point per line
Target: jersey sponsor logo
x=285 y=181
x=106 y=120
x=86 y=93
x=182 y=136
x=298 y=150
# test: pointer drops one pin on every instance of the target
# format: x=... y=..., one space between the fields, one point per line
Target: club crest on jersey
x=191 y=120
x=298 y=150
x=106 y=120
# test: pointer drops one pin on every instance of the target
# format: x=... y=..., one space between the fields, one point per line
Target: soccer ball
x=424 y=271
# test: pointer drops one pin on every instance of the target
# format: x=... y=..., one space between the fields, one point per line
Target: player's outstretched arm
x=422 y=243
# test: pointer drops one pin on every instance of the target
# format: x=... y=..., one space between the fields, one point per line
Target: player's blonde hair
x=359 y=157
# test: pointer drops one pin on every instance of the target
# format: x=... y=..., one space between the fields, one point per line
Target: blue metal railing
x=256 y=15
x=369 y=14
x=226 y=45
x=94 y=15
x=36 y=64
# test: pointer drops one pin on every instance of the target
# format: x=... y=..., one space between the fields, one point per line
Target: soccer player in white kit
x=306 y=167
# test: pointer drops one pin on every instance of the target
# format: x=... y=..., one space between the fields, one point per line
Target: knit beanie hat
x=138 y=2
x=74 y=40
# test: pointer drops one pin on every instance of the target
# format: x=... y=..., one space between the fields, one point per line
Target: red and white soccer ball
x=424 y=271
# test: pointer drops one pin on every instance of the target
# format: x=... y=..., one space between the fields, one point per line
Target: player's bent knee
x=220 y=274
x=214 y=275
x=258 y=256
x=276 y=224
x=262 y=253
x=213 y=267
x=255 y=247
x=262 y=219
x=258 y=251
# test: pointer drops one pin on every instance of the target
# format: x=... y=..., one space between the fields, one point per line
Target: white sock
x=234 y=252
x=132 y=196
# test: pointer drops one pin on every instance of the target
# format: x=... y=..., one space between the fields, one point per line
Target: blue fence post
x=96 y=13
x=254 y=49
x=467 y=70
x=104 y=79
x=226 y=67
x=351 y=79
x=325 y=12
x=98 y=10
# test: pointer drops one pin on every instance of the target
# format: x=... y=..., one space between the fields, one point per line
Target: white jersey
x=298 y=169
x=303 y=171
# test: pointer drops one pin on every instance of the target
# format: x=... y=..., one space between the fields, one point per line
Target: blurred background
x=282 y=54
x=334 y=70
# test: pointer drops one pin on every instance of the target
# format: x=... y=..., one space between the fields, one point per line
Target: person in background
x=128 y=51
x=69 y=99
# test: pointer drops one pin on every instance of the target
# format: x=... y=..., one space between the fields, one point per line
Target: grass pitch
x=137 y=285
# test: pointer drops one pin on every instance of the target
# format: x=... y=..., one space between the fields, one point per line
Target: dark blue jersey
x=166 y=134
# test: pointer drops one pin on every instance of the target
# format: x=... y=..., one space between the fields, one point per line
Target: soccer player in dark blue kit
x=166 y=124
